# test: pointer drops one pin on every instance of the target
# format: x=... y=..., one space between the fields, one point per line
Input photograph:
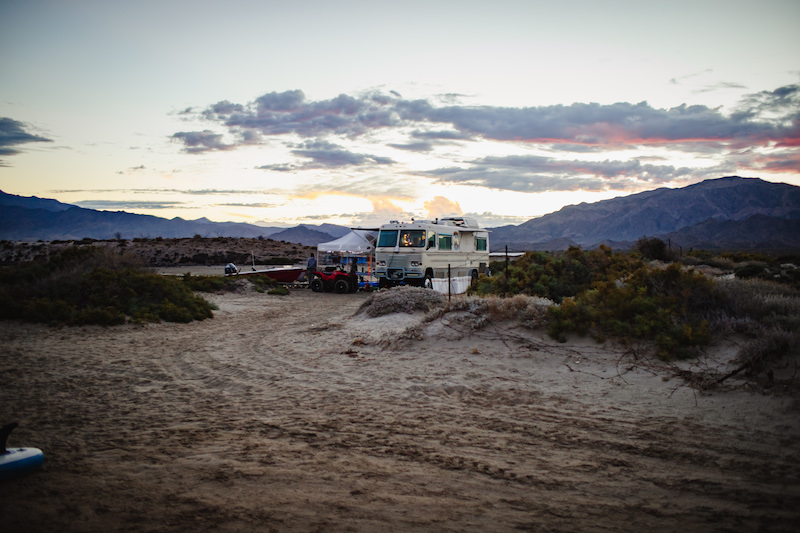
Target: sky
x=357 y=113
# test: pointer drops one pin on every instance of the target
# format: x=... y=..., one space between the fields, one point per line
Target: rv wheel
x=428 y=281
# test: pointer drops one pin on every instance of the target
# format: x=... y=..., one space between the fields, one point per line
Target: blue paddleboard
x=17 y=461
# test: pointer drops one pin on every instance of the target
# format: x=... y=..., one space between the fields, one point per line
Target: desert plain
x=295 y=413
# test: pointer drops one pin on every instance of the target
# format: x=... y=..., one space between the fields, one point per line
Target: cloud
x=492 y=220
x=761 y=122
x=324 y=154
x=197 y=192
x=541 y=174
x=419 y=146
x=428 y=140
x=781 y=161
x=253 y=205
x=717 y=86
x=289 y=112
x=679 y=79
x=442 y=207
x=12 y=134
x=202 y=141
x=761 y=117
x=131 y=169
x=123 y=205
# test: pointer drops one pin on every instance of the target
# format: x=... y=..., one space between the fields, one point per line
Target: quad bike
x=337 y=281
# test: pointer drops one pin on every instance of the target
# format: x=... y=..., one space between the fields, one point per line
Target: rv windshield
x=412 y=238
x=387 y=237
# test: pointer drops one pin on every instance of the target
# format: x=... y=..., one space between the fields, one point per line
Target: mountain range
x=29 y=218
x=725 y=213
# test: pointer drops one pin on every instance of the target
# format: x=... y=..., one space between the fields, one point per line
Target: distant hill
x=690 y=216
x=302 y=235
x=32 y=202
x=758 y=232
x=29 y=218
x=725 y=213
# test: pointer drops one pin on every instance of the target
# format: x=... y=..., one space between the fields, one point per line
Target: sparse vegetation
x=667 y=306
x=478 y=311
x=556 y=276
x=678 y=310
x=404 y=299
x=88 y=285
x=208 y=283
x=280 y=290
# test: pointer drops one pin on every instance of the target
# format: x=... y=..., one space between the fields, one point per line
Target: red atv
x=337 y=281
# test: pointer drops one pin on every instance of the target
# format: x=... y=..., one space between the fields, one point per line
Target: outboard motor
x=230 y=268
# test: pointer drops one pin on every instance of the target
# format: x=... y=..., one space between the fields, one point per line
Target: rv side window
x=412 y=238
x=480 y=244
x=388 y=237
x=445 y=242
x=431 y=241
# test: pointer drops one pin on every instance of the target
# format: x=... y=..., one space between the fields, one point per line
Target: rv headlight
x=381 y=263
x=414 y=263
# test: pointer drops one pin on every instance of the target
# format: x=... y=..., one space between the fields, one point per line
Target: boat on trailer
x=279 y=274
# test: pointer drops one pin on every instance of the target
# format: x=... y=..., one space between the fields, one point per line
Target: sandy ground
x=291 y=414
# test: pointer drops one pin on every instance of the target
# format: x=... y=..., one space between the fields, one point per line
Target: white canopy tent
x=358 y=241
x=355 y=247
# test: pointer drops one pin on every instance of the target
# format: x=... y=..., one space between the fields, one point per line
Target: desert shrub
x=403 y=299
x=785 y=273
x=653 y=249
x=208 y=283
x=90 y=285
x=279 y=261
x=750 y=270
x=262 y=283
x=279 y=291
x=749 y=305
x=556 y=276
x=769 y=347
x=215 y=258
x=668 y=306
x=530 y=311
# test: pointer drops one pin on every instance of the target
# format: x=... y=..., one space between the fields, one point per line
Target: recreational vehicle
x=416 y=252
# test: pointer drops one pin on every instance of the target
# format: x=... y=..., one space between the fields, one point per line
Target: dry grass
x=404 y=299
x=769 y=347
x=753 y=305
x=529 y=311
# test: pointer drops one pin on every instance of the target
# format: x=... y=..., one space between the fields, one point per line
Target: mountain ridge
x=659 y=212
x=30 y=218
x=729 y=212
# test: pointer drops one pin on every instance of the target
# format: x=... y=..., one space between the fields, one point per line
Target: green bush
x=279 y=291
x=611 y=294
x=556 y=276
x=88 y=285
x=208 y=283
x=668 y=306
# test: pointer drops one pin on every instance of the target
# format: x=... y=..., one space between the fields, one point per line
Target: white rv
x=416 y=252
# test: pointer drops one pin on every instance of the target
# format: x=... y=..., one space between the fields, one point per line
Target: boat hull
x=283 y=275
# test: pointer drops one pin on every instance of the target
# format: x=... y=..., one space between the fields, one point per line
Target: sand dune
x=291 y=414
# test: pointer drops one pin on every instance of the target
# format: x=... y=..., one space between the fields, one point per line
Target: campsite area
x=293 y=413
